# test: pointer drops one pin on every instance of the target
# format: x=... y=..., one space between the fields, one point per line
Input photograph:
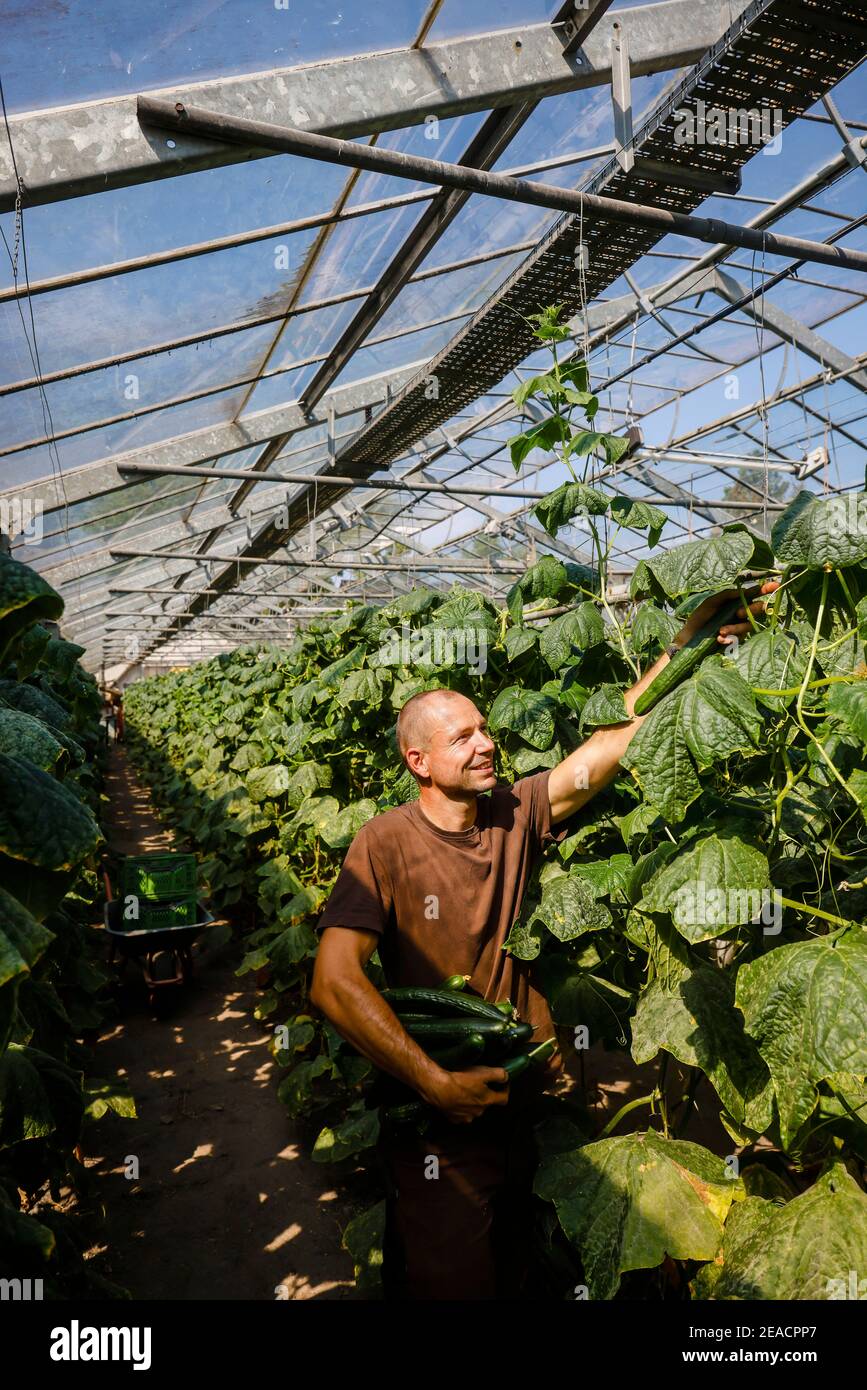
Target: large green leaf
x=605 y=877
x=61 y=656
x=581 y=628
x=819 y=531
x=363 y=1240
x=265 y=783
x=357 y=1132
x=628 y=1202
x=772 y=660
x=568 y=501
x=297 y=1091
x=103 y=1096
x=334 y=673
x=22 y=939
x=703 y=721
x=691 y=1014
x=45 y=835
x=25 y=598
x=605 y=706
x=568 y=908
x=36 y=703
x=29 y=647
x=363 y=687
x=406 y=605
x=848 y=703
x=310 y=777
x=291 y=946
x=339 y=831
x=524 y=712
x=39 y=1095
x=639 y=516
x=577 y=994
x=545 y=579
x=28 y=737
x=316 y=811
x=719 y=882
x=22 y=942
x=653 y=624
x=712 y=564
x=806 y=1007
x=519 y=640
x=813 y=1247
x=547 y=434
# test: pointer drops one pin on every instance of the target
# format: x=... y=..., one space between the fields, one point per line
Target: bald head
x=444 y=742
x=420 y=716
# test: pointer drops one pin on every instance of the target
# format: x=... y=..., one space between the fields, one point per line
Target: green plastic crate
x=158 y=916
x=158 y=877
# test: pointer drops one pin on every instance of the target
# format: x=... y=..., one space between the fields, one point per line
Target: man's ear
x=416 y=761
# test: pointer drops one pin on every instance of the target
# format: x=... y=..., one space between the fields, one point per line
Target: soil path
x=226 y=1205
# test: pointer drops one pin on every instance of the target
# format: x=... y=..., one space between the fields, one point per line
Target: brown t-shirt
x=443 y=901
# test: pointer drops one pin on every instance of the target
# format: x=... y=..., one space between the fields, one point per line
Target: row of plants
x=708 y=908
x=53 y=985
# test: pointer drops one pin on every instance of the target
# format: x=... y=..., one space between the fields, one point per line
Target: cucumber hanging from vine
x=690 y=656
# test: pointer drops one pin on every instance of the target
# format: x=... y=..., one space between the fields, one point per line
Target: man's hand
x=591 y=767
x=705 y=612
x=464 y=1095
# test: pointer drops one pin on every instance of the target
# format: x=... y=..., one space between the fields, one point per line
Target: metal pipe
x=415 y=562
x=726 y=311
x=288 y=140
x=235 y=594
x=390 y=484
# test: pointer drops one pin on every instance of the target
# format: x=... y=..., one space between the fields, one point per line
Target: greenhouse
x=433 y=596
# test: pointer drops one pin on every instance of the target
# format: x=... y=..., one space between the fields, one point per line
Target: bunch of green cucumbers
x=459 y=1030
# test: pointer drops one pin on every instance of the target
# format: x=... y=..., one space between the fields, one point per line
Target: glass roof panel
x=681 y=398
x=147 y=219
x=153 y=306
x=97 y=48
x=418 y=347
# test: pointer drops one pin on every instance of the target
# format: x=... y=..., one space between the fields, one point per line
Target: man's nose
x=484 y=744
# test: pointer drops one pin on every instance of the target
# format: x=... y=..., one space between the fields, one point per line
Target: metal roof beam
x=65 y=152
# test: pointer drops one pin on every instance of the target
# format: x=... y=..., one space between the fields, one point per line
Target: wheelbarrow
x=146 y=943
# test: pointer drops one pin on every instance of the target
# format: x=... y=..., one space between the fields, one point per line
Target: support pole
x=286 y=140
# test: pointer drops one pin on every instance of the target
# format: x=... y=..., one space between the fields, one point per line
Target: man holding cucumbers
x=434 y=886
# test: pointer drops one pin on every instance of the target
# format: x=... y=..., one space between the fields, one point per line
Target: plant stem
x=624 y=1110
x=845 y=587
x=815 y=912
x=813 y=685
x=689 y=1101
x=816 y=634
x=660 y=1086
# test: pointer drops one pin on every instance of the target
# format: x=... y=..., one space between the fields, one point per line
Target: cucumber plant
x=53 y=986
x=708 y=907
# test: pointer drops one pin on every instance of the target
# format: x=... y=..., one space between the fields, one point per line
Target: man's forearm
x=611 y=744
x=597 y=762
x=360 y=1014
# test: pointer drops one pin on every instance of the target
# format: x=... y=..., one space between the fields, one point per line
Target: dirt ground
x=225 y=1205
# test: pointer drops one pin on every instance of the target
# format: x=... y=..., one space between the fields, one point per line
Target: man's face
x=458 y=754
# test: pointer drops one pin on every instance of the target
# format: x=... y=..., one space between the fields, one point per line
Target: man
x=435 y=885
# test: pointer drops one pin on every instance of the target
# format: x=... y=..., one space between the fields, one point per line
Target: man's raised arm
x=596 y=763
